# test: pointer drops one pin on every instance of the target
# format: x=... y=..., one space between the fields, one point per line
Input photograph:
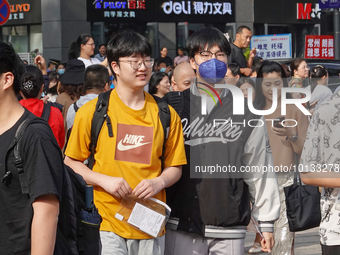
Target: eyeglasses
x=305 y=67
x=92 y=45
x=137 y=64
x=206 y=55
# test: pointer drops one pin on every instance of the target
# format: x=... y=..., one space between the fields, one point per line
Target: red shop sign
x=319 y=46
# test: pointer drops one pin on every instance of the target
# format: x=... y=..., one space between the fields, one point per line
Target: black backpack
x=100 y=116
x=78 y=227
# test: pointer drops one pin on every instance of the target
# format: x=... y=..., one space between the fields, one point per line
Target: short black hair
x=155 y=80
x=32 y=82
x=240 y=29
x=125 y=45
x=102 y=44
x=208 y=36
x=95 y=77
x=61 y=64
x=162 y=61
x=235 y=69
x=10 y=62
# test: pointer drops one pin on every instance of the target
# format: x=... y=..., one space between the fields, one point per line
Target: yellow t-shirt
x=133 y=152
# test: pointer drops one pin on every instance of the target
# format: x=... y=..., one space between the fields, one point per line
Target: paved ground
x=306 y=242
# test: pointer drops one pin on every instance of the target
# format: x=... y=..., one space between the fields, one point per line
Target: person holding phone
x=286 y=140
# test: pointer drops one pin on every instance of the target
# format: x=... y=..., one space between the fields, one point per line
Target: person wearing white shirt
x=319 y=85
x=83 y=49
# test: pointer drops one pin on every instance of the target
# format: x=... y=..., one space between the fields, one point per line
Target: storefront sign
x=319 y=46
x=308 y=11
x=287 y=12
x=272 y=46
x=161 y=11
x=326 y=4
x=198 y=8
x=24 y=12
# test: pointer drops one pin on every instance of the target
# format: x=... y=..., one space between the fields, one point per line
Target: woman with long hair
x=83 y=49
x=286 y=139
x=159 y=85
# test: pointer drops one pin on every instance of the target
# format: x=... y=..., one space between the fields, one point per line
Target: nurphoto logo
x=238 y=100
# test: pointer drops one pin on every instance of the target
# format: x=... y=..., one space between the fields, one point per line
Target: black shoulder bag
x=303 y=205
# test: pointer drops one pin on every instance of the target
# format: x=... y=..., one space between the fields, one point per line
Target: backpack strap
x=46 y=112
x=165 y=118
x=15 y=145
x=75 y=107
x=99 y=117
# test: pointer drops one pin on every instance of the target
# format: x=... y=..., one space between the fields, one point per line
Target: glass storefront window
x=184 y=30
x=17 y=36
x=151 y=34
x=36 y=39
x=182 y=34
x=24 y=38
x=230 y=29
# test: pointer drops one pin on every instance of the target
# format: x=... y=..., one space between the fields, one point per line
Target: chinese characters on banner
x=120 y=9
x=272 y=46
x=319 y=46
x=161 y=11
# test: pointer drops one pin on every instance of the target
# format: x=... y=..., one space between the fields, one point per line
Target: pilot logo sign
x=4 y=11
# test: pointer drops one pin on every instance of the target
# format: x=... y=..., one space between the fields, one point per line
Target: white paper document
x=146 y=219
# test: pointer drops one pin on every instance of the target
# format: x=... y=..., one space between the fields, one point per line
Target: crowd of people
x=137 y=156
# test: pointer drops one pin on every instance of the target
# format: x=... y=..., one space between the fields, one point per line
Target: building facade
x=49 y=27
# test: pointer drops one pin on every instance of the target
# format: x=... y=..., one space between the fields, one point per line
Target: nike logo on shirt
x=131 y=142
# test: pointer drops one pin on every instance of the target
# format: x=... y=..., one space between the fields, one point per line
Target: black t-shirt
x=42 y=164
x=167 y=60
x=237 y=57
